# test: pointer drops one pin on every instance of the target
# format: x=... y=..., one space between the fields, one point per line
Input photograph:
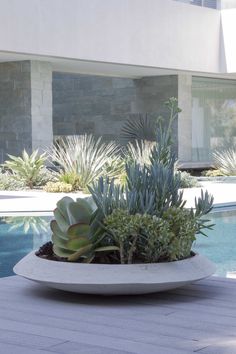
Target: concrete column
x=185 y=118
x=41 y=104
x=25 y=107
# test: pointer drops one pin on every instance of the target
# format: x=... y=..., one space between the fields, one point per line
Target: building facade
x=78 y=66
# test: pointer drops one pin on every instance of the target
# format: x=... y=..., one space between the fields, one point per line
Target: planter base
x=105 y=279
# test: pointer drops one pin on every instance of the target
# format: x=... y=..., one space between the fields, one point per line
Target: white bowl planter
x=114 y=279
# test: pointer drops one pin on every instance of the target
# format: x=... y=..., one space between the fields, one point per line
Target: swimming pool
x=20 y=235
x=220 y=245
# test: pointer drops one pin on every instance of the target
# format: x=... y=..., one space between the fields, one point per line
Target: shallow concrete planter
x=114 y=279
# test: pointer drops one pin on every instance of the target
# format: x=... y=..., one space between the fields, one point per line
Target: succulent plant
x=74 y=235
x=149 y=239
x=141 y=221
x=143 y=216
x=28 y=168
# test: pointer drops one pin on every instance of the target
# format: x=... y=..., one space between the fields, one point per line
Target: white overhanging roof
x=120 y=37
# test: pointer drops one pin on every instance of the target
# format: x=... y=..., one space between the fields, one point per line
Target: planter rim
x=113 y=279
x=195 y=254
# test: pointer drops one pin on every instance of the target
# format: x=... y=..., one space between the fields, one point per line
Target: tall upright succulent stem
x=122 y=257
x=132 y=249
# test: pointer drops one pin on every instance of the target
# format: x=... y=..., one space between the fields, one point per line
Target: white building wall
x=151 y=33
x=228 y=18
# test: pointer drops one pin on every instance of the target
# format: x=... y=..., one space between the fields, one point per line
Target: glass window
x=210 y=3
x=206 y=3
x=213 y=116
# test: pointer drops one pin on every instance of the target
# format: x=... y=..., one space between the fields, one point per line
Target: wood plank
x=16 y=349
x=21 y=339
x=199 y=318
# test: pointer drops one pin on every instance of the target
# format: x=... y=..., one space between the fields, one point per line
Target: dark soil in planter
x=46 y=252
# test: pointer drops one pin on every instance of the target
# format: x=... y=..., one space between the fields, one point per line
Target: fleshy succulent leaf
x=78 y=230
x=78 y=243
x=59 y=241
x=82 y=252
x=63 y=206
x=61 y=252
x=61 y=221
x=56 y=230
x=79 y=212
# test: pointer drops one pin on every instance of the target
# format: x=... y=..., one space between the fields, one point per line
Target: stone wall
x=100 y=105
x=25 y=107
x=32 y=100
x=91 y=104
x=15 y=108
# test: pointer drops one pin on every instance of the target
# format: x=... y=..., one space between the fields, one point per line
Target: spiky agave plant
x=27 y=168
x=139 y=151
x=83 y=157
x=74 y=235
x=225 y=161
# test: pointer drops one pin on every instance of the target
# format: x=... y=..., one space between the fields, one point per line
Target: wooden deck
x=199 y=318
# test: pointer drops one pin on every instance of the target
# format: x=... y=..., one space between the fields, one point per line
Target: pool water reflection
x=20 y=235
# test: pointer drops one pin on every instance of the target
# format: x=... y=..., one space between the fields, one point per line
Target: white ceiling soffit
x=89 y=67
x=104 y=69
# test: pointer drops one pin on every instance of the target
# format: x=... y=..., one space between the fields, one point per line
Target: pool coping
x=31 y=202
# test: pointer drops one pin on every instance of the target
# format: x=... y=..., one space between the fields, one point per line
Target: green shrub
x=27 y=169
x=44 y=176
x=147 y=238
x=8 y=183
x=69 y=178
x=57 y=187
x=187 y=181
x=213 y=173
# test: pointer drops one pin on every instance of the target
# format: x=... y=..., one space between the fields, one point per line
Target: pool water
x=220 y=245
x=19 y=236
x=22 y=234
